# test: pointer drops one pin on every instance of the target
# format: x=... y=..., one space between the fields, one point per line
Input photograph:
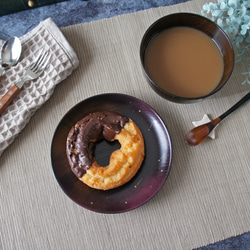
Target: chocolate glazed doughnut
x=124 y=162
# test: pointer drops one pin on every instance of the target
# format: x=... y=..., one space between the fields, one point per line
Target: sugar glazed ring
x=124 y=162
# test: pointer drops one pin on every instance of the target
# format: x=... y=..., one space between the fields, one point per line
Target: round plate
x=150 y=177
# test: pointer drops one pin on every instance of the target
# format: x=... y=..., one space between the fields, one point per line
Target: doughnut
x=124 y=162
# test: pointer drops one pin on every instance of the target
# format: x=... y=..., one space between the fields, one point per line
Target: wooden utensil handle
x=243 y=100
x=8 y=97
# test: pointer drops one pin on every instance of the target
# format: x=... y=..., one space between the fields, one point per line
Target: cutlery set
x=10 y=55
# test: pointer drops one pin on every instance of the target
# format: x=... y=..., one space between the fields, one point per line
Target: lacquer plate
x=150 y=177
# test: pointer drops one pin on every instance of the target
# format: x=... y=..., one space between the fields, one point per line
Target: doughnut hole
x=103 y=151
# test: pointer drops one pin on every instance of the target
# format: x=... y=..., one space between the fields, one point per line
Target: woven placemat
x=205 y=199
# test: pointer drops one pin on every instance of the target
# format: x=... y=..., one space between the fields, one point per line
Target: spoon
x=200 y=133
x=10 y=53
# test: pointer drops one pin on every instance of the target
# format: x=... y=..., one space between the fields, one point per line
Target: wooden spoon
x=200 y=133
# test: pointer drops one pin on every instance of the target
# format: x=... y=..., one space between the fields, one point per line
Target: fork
x=33 y=71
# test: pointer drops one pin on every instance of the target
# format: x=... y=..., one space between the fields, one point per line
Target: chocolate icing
x=83 y=136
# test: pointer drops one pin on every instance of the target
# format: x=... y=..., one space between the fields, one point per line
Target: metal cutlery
x=10 y=53
x=33 y=71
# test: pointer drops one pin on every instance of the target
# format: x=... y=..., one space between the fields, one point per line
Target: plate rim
x=170 y=150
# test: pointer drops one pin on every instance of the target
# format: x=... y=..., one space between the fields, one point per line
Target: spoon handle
x=235 y=106
x=198 y=134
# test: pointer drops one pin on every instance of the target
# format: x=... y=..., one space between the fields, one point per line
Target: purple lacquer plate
x=150 y=177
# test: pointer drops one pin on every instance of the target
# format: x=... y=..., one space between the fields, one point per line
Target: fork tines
x=41 y=61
